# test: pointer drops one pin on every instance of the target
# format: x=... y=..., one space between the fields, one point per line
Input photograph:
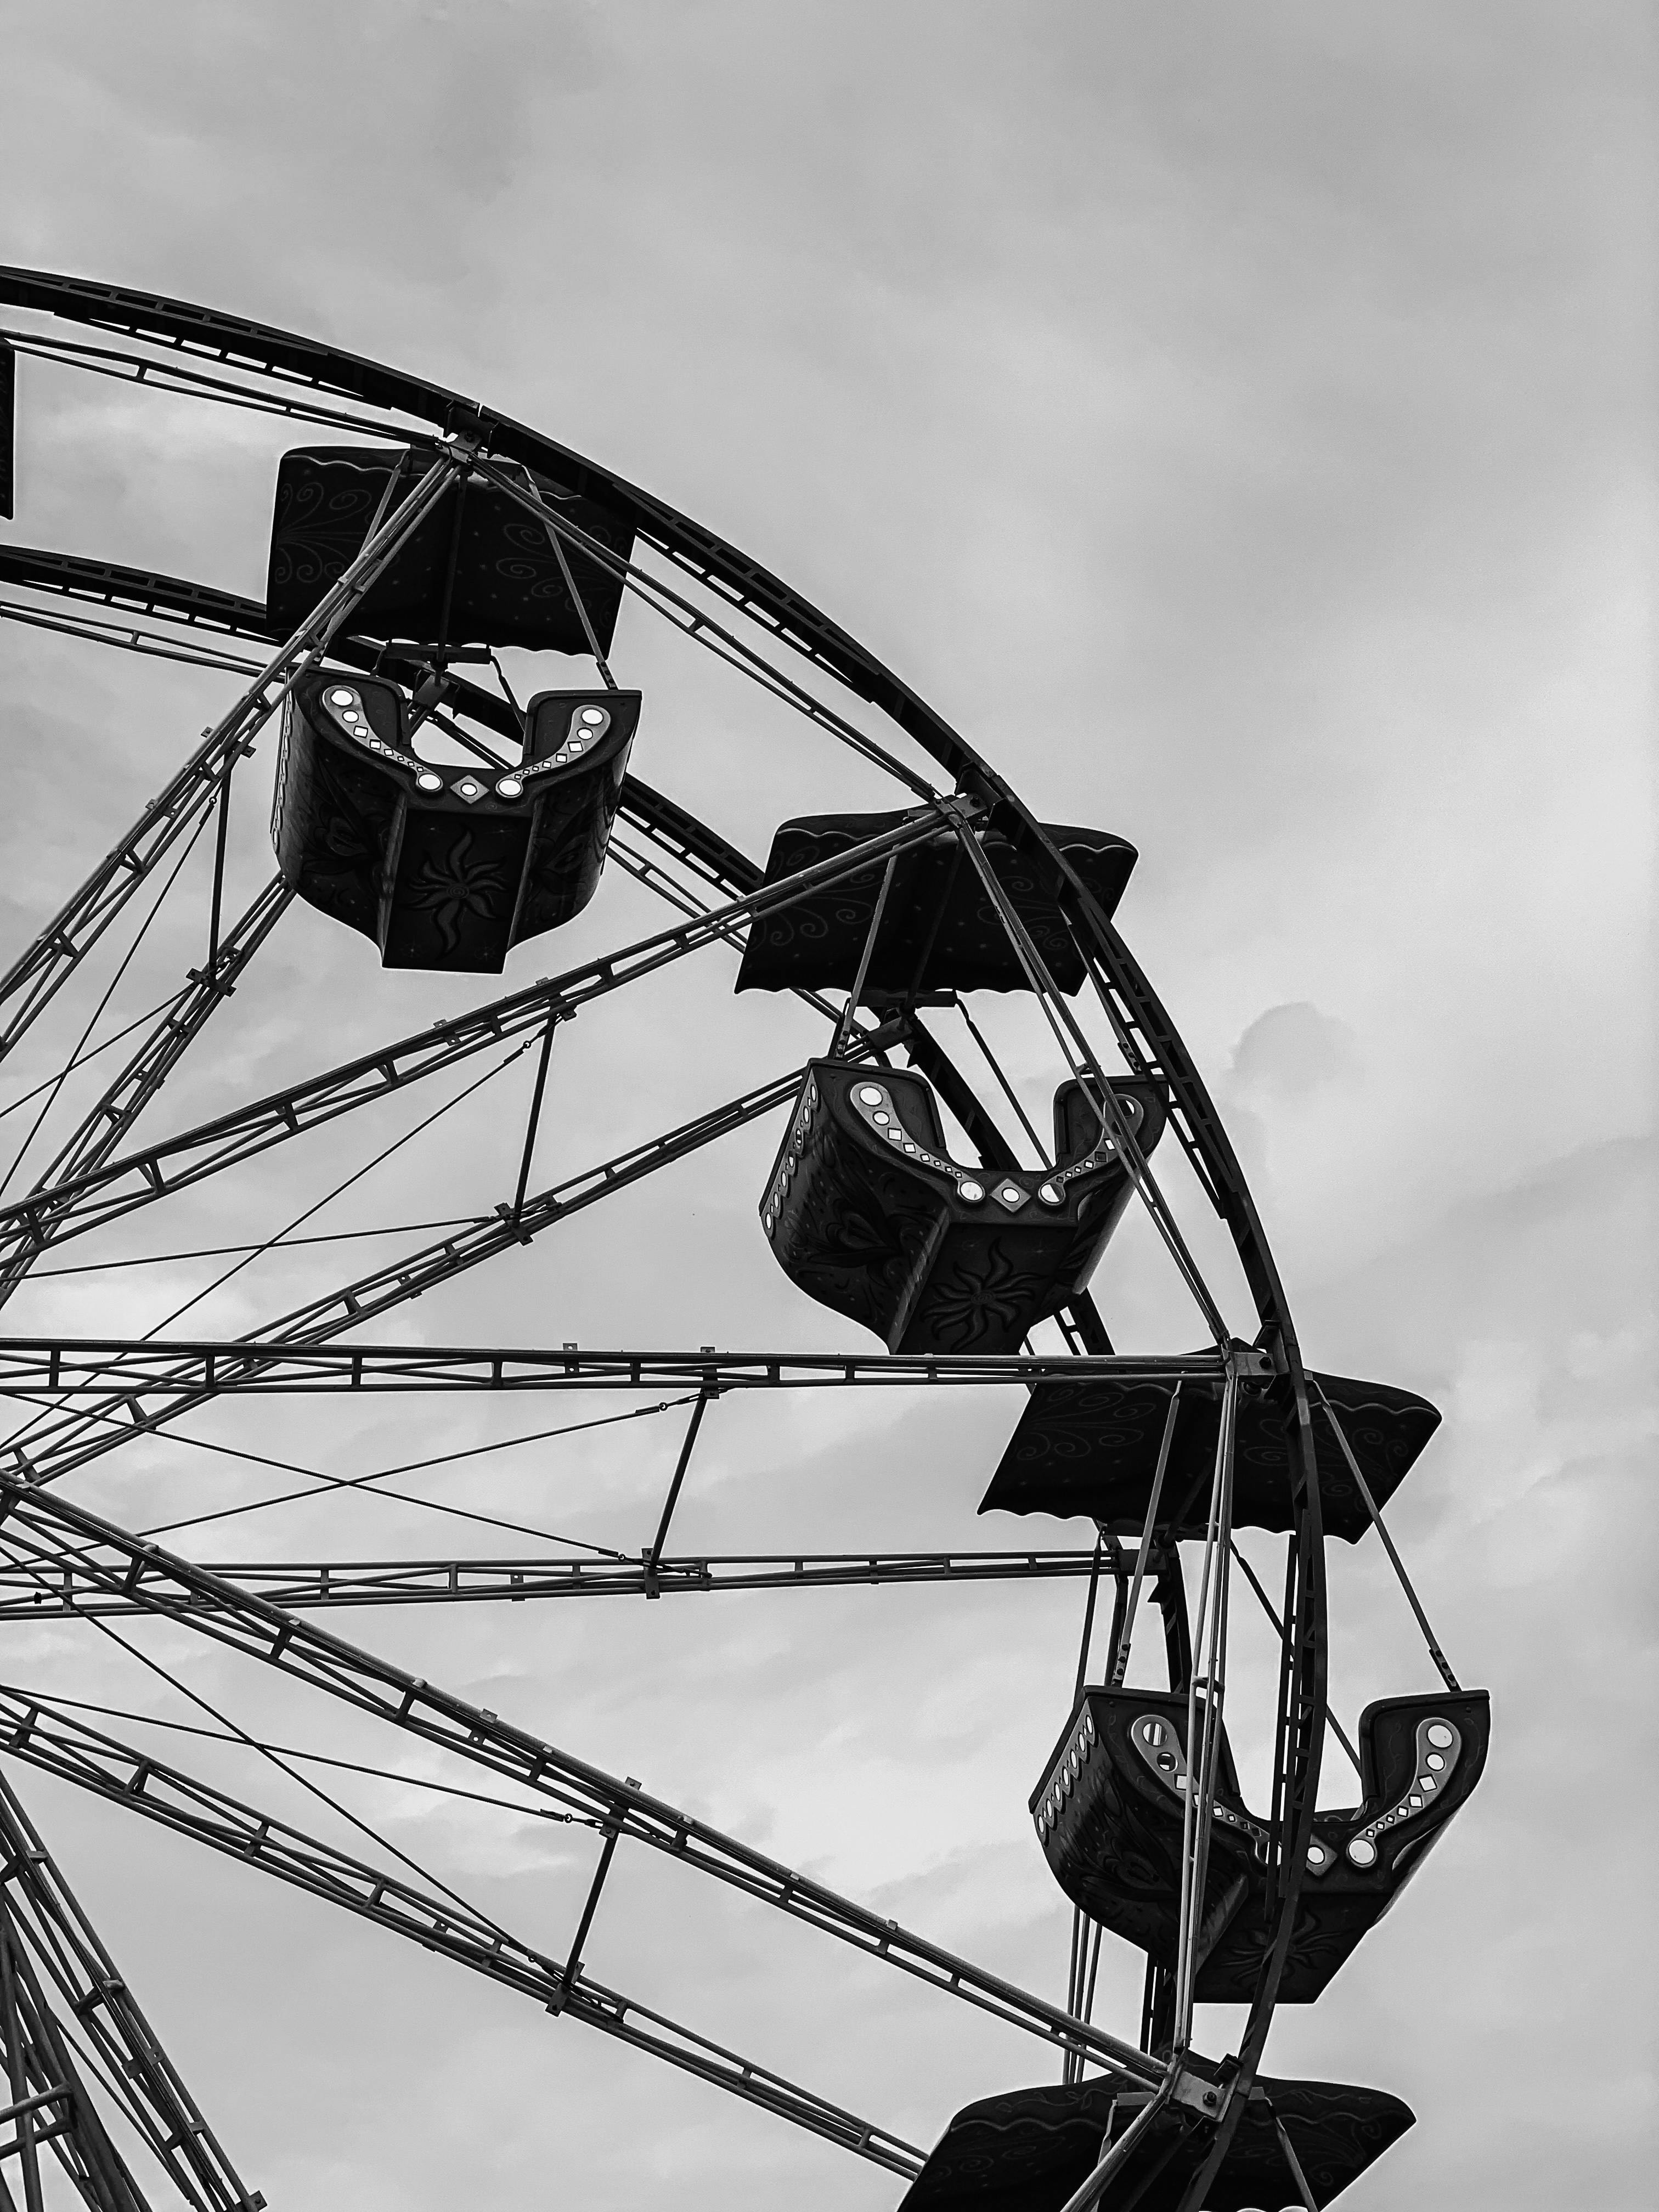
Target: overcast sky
x=1238 y=421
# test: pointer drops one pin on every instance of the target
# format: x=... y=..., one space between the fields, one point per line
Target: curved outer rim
x=206 y=331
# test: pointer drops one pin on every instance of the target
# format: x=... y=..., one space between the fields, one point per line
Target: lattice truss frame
x=83 y=1400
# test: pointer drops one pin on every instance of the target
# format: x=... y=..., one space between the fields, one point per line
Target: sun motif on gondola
x=976 y=1304
x=452 y=884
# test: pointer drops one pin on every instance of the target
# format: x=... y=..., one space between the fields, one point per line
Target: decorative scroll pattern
x=1028 y=2150
x=507 y=587
x=1091 y=1449
x=816 y=945
x=1336 y=2129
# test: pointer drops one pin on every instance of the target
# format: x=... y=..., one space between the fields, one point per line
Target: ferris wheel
x=947 y=1241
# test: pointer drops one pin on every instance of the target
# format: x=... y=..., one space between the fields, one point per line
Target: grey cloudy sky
x=1239 y=420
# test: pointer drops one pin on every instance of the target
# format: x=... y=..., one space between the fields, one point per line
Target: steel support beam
x=48 y=2106
x=128 y=1367
x=38 y=1528
x=58 y=1745
x=46 y=1914
x=305 y=1586
x=308 y=1362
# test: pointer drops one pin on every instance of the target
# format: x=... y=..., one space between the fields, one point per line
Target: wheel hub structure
x=474 y=648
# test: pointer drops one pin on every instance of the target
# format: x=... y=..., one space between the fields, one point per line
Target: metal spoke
x=164 y=1794
x=24 y=1594
x=48 y=2105
x=79 y=1058
x=123 y=1372
x=37 y=1525
x=151 y=2090
x=123 y=1367
x=280 y=1244
x=347 y=1183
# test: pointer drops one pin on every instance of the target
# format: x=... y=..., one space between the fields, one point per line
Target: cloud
x=1291 y=1052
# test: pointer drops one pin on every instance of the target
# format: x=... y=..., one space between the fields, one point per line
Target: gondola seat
x=1029 y=2150
x=940 y=928
x=480 y=570
x=444 y=867
x=866 y=1212
x=1109 y=1814
x=1091 y=1449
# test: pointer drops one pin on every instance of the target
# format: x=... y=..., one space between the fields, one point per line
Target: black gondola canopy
x=479 y=571
x=1029 y=2150
x=941 y=929
x=1092 y=1448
